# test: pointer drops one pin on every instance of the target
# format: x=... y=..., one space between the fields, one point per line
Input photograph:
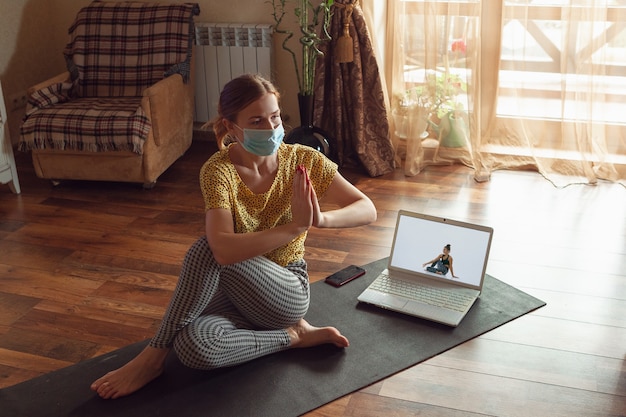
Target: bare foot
x=137 y=373
x=304 y=335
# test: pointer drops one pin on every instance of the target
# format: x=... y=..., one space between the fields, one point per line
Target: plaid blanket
x=116 y=50
x=89 y=124
x=119 y=49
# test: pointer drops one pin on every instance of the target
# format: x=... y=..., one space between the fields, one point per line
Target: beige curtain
x=562 y=92
x=349 y=96
x=432 y=58
x=537 y=84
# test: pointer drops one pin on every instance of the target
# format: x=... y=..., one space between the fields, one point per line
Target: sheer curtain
x=430 y=52
x=524 y=84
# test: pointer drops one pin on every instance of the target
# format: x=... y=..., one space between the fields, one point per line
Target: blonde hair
x=236 y=95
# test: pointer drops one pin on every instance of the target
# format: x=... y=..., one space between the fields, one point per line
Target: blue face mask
x=263 y=142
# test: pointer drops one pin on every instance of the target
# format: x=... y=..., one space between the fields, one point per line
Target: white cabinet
x=8 y=171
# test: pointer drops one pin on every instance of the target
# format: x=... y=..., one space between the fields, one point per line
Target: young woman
x=442 y=263
x=243 y=289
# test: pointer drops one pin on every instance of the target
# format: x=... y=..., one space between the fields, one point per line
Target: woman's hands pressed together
x=305 y=208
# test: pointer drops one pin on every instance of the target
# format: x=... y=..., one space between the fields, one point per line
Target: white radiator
x=223 y=52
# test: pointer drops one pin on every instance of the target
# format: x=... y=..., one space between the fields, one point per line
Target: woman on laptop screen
x=442 y=263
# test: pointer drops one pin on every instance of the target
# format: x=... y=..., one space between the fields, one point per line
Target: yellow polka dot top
x=223 y=188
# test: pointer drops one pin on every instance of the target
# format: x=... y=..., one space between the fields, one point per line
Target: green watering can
x=452 y=131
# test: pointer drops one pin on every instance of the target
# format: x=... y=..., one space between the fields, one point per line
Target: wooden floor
x=86 y=268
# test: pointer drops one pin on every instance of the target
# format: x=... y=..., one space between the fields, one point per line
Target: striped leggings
x=224 y=315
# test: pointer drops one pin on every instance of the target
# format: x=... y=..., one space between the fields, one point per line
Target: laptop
x=416 y=283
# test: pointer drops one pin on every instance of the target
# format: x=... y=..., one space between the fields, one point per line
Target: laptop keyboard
x=425 y=294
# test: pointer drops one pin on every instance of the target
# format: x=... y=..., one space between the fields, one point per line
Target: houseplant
x=311 y=20
x=410 y=114
x=439 y=99
x=314 y=22
x=441 y=93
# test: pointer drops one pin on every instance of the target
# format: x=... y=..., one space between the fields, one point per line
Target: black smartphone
x=344 y=276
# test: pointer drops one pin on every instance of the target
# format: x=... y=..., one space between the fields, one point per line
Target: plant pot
x=306 y=133
x=410 y=124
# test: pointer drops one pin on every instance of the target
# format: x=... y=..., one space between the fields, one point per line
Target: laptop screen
x=420 y=241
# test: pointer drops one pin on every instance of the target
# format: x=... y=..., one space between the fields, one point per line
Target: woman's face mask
x=263 y=142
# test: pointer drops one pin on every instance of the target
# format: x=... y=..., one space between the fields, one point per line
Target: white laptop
x=447 y=290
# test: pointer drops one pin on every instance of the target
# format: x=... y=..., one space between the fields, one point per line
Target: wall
x=34 y=32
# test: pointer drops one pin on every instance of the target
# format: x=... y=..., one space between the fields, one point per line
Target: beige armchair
x=124 y=110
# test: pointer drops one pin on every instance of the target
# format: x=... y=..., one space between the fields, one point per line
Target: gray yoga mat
x=288 y=383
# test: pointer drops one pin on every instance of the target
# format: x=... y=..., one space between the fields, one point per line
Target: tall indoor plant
x=314 y=22
x=311 y=20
